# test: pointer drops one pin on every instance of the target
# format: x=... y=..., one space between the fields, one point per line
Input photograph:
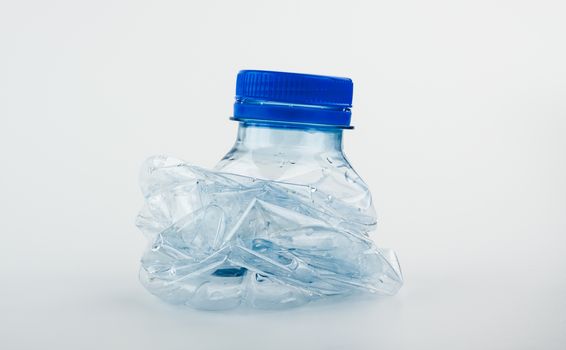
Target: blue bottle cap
x=293 y=98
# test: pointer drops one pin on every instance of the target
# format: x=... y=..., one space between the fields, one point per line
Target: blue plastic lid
x=293 y=98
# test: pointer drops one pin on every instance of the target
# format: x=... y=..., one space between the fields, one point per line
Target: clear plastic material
x=282 y=220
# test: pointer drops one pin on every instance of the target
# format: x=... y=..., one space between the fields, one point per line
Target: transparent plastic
x=283 y=219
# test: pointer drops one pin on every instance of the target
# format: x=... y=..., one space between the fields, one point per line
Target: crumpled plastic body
x=220 y=240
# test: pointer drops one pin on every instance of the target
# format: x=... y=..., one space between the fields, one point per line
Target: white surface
x=460 y=109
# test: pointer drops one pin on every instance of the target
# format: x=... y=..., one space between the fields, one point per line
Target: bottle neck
x=252 y=136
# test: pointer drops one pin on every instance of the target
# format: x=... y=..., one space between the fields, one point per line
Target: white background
x=460 y=115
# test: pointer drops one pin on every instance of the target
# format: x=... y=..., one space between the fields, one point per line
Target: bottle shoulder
x=328 y=171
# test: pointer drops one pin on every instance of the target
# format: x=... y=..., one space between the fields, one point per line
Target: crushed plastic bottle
x=282 y=220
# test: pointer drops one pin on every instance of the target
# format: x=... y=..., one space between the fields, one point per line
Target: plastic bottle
x=282 y=220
